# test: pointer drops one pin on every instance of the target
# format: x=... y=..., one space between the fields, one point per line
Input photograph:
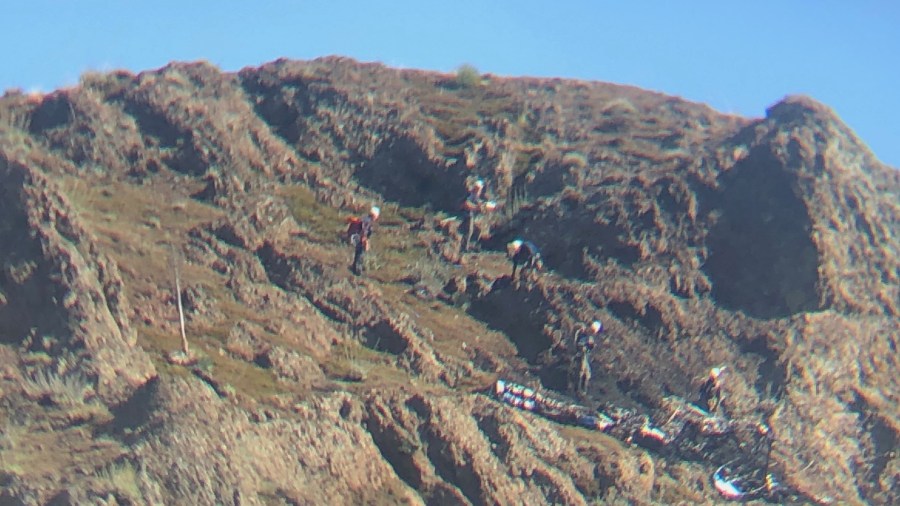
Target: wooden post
x=184 y=342
x=183 y=357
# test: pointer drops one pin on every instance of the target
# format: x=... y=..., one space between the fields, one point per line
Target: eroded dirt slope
x=700 y=239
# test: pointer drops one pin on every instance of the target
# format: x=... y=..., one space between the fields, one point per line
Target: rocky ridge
x=699 y=238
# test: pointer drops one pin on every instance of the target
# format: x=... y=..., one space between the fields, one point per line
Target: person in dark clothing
x=586 y=337
x=762 y=447
x=710 y=397
x=585 y=341
x=525 y=254
x=358 y=232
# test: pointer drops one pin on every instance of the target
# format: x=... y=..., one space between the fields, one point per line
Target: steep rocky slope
x=700 y=239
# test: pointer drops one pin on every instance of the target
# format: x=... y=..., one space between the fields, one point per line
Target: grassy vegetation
x=457 y=113
x=109 y=207
x=138 y=230
x=354 y=362
x=396 y=253
x=397 y=256
x=35 y=449
x=208 y=343
x=63 y=390
x=120 y=478
x=325 y=224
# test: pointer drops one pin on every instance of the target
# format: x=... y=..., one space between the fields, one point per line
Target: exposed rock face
x=700 y=239
x=61 y=294
x=807 y=186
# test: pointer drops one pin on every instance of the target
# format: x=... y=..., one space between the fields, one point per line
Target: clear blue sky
x=737 y=56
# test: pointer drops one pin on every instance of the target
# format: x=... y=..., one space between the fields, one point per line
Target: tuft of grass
x=120 y=478
x=619 y=107
x=71 y=393
x=348 y=362
x=71 y=389
x=575 y=159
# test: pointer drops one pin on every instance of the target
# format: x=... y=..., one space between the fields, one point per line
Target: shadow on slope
x=520 y=313
x=762 y=260
x=564 y=235
x=524 y=313
x=30 y=292
x=402 y=172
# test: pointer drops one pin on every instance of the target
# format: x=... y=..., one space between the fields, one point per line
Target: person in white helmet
x=585 y=341
x=710 y=396
x=359 y=232
x=526 y=254
x=474 y=204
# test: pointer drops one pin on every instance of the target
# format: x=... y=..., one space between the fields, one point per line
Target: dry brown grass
x=821 y=426
x=37 y=454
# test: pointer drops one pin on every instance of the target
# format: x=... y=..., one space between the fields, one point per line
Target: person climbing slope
x=473 y=206
x=359 y=231
x=525 y=254
x=710 y=395
x=585 y=340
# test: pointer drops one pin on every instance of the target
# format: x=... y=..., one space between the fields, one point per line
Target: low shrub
x=467 y=76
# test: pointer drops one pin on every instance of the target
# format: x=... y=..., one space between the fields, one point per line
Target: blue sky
x=738 y=57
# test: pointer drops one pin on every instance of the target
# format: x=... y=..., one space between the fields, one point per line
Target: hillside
x=768 y=244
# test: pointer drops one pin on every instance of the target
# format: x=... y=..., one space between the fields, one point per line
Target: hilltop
x=768 y=244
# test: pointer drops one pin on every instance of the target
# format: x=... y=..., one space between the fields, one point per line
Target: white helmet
x=596 y=326
x=479 y=184
x=715 y=372
x=375 y=212
x=514 y=246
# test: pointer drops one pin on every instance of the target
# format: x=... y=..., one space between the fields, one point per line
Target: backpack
x=354 y=229
x=472 y=202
